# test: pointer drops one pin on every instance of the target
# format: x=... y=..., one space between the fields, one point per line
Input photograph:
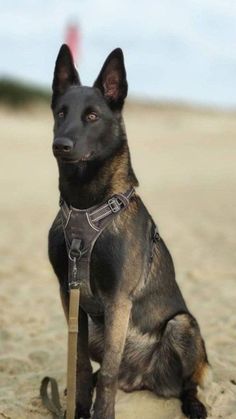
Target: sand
x=185 y=161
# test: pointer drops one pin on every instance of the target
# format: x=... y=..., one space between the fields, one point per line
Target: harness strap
x=98 y=212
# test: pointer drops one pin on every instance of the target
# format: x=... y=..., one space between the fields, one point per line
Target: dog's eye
x=91 y=116
x=61 y=114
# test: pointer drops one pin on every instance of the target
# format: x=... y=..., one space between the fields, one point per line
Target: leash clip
x=74 y=255
x=74 y=283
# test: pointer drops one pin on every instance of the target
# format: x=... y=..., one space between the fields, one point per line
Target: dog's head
x=87 y=119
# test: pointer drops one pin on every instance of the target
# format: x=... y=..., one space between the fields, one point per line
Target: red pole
x=73 y=40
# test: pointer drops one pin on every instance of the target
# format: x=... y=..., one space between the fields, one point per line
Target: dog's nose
x=62 y=145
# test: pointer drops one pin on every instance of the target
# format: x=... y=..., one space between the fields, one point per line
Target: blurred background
x=181 y=122
x=182 y=50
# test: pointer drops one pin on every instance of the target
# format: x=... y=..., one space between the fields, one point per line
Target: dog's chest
x=99 y=274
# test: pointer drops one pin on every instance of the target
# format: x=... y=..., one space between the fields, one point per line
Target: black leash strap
x=51 y=403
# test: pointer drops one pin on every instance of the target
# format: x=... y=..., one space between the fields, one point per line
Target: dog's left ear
x=65 y=73
x=112 y=80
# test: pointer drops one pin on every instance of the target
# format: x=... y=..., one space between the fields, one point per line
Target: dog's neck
x=91 y=183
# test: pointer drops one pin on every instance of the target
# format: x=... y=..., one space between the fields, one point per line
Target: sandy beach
x=184 y=159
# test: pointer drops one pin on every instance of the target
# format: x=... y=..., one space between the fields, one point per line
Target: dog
x=139 y=329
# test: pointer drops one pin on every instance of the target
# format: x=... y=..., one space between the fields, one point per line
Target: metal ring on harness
x=73 y=258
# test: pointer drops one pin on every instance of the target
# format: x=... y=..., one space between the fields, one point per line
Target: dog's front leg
x=84 y=380
x=117 y=314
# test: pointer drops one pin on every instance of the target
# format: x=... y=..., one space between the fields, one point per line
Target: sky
x=182 y=50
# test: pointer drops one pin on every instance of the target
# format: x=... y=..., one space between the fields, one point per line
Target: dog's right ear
x=65 y=73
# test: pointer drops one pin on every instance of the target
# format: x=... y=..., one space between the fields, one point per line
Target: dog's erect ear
x=65 y=73
x=112 y=79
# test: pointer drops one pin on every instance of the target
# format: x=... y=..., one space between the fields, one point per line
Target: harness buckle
x=114 y=204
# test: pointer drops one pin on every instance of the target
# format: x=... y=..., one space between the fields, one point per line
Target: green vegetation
x=17 y=94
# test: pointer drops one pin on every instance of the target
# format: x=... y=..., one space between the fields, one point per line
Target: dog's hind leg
x=178 y=365
x=191 y=406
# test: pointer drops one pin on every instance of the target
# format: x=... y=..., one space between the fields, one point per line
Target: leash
x=81 y=230
x=53 y=403
x=72 y=352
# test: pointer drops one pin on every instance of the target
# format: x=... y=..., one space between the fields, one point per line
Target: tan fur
x=115 y=173
x=201 y=373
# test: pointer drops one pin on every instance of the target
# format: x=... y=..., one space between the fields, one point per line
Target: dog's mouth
x=87 y=157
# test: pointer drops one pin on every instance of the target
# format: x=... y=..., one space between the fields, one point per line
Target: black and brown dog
x=144 y=337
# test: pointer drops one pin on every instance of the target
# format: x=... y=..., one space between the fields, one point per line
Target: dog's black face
x=87 y=119
x=83 y=126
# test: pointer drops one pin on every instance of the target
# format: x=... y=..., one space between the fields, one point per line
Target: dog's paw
x=82 y=412
x=96 y=416
x=103 y=413
x=194 y=409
